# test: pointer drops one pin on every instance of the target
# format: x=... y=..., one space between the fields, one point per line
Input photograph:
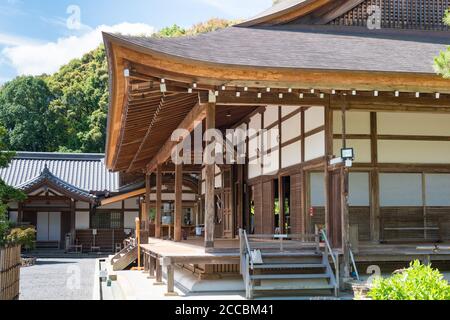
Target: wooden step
x=296 y=287
x=289 y=276
x=289 y=266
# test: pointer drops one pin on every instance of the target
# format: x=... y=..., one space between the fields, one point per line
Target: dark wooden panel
x=439 y=217
x=335 y=214
x=268 y=224
x=361 y=216
x=296 y=204
x=410 y=220
x=106 y=239
x=258 y=203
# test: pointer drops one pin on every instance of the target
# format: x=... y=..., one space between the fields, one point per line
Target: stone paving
x=58 y=279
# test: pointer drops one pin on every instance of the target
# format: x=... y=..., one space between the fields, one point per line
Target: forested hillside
x=67 y=111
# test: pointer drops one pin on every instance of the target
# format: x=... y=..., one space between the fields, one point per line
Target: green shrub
x=418 y=282
x=22 y=236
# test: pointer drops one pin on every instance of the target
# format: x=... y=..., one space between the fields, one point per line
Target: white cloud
x=36 y=59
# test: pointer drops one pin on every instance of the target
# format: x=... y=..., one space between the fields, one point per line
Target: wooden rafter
x=197 y=114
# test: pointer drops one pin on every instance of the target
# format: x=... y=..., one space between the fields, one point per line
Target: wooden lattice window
x=402 y=14
x=107 y=220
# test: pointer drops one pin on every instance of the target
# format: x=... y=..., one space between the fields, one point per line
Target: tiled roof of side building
x=86 y=172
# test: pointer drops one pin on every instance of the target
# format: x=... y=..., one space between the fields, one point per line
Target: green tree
x=7 y=193
x=25 y=113
x=442 y=62
x=67 y=111
x=81 y=92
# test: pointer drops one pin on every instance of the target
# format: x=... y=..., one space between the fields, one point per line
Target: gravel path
x=58 y=279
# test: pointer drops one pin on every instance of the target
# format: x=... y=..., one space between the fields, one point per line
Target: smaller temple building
x=64 y=193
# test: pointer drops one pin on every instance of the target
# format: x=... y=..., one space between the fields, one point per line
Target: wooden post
x=170 y=278
x=148 y=191
x=344 y=199
x=281 y=204
x=374 y=182
x=210 y=184
x=178 y=202
x=158 y=281
x=151 y=267
x=158 y=203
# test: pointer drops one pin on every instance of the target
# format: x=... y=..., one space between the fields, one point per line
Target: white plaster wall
x=314 y=118
x=82 y=205
x=129 y=220
x=270 y=139
x=254 y=145
x=132 y=203
x=13 y=205
x=400 y=189
x=437 y=190
x=291 y=128
x=171 y=197
x=359 y=194
x=270 y=116
x=13 y=216
x=356 y=122
x=413 y=124
x=286 y=110
x=291 y=154
x=363 y=152
x=315 y=146
x=82 y=220
x=317 y=189
x=396 y=151
x=255 y=122
x=254 y=169
x=271 y=163
x=116 y=205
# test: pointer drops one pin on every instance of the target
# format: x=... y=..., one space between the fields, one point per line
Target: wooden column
x=374 y=182
x=178 y=202
x=210 y=183
x=158 y=202
x=281 y=204
x=148 y=191
x=345 y=222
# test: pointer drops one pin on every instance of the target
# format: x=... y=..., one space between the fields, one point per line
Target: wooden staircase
x=293 y=265
x=125 y=257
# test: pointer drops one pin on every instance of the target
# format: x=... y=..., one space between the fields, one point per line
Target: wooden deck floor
x=193 y=251
x=228 y=251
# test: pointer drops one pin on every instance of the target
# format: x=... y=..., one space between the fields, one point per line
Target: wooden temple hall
x=314 y=78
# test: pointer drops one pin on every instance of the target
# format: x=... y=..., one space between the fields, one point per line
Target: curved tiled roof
x=86 y=172
x=304 y=47
x=47 y=178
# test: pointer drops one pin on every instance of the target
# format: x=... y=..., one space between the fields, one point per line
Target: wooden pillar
x=374 y=182
x=158 y=203
x=281 y=204
x=210 y=183
x=344 y=198
x=159 y=280
x=345 y=222
x=148 y=191
x=178 y=202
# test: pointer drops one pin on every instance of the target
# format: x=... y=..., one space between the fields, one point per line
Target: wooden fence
x=10 y=263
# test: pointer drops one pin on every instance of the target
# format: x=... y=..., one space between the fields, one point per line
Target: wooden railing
x=10 y=263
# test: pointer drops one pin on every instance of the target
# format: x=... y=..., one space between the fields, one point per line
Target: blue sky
x=35 y=36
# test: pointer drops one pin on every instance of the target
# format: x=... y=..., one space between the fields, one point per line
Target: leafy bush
x=418 y=282
x=22 y=236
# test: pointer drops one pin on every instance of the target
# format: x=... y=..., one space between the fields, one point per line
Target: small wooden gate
x=10 y=263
